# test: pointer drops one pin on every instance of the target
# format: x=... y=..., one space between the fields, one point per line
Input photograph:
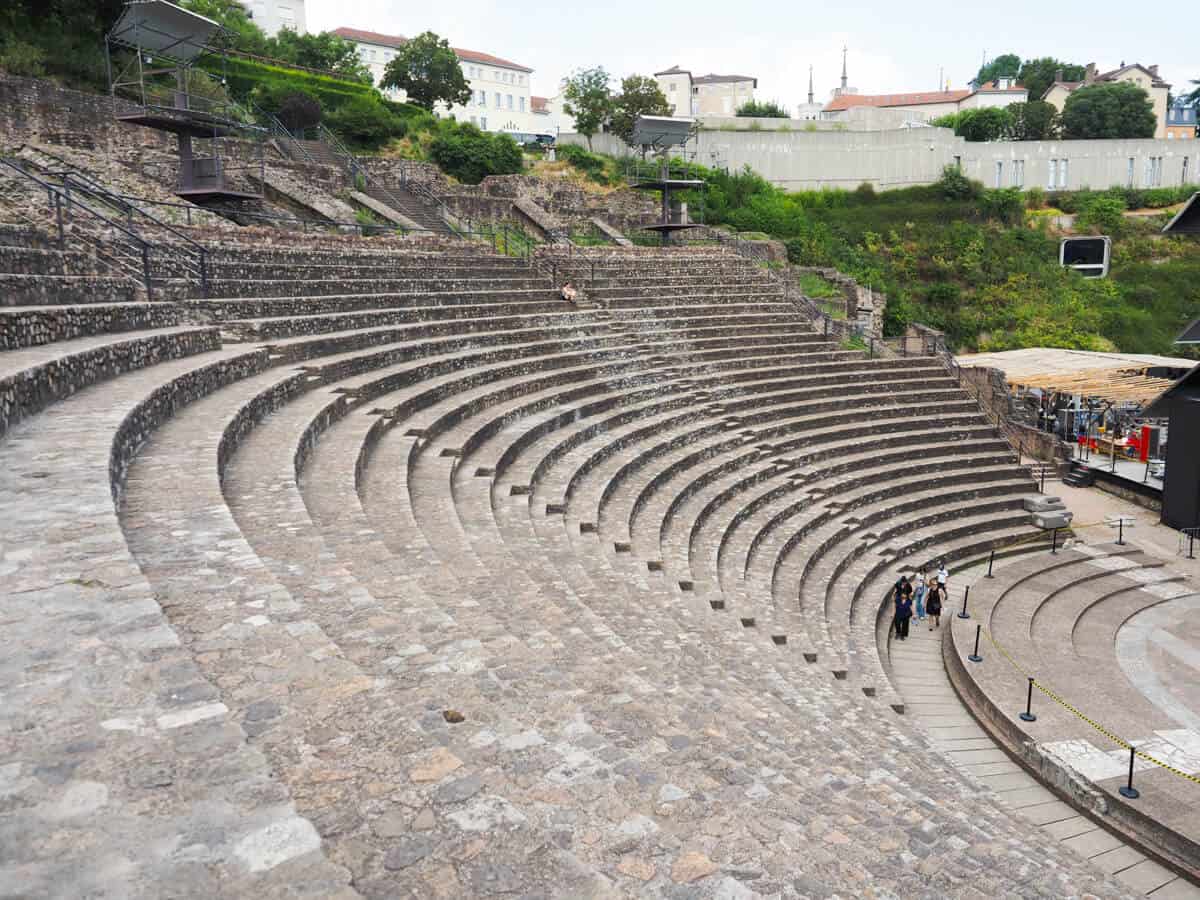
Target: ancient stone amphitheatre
x=381 y=571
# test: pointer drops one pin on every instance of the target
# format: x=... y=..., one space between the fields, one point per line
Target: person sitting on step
x=569 y=293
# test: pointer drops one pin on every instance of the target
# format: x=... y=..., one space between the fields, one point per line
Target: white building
x=500 y=89
x=550 y=117
x=705 y=95
x=272 y=16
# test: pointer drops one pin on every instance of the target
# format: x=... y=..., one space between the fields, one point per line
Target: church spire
x=844 y=79
x=810 y=90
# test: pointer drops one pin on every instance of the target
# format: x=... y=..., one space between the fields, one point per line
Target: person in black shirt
x=902 y=597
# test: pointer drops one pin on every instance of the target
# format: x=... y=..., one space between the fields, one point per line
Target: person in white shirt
x=919 y=581
x=943 y=576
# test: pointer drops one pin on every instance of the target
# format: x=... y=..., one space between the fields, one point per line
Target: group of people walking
x=921 y=596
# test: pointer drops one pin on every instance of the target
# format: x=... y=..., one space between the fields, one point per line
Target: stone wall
x=990 y=388
x=35 y=110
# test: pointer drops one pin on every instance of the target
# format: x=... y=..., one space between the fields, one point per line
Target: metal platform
x=671 y=227
x=209 y=195
x=668 y=184
x=192 y=123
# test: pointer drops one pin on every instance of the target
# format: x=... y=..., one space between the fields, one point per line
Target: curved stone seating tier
x=1056 y=616
x=99 y=686
x=329 y=523
x=44 y=290
x=35 y=377
x=862 y=499
x=32 y=326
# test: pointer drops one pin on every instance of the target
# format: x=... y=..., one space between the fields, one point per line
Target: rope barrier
x=1108 y=733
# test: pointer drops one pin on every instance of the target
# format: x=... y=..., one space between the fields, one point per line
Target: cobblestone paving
x=399 y=627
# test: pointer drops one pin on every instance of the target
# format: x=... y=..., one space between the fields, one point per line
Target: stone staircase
x=430 y=584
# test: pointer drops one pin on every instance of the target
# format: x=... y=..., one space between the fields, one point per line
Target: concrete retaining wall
x=804 y=160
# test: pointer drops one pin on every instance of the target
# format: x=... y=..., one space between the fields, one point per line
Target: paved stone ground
x=922 y=680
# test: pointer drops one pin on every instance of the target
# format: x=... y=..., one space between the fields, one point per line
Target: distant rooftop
x=919 y=98
x=396 y=41
x=709 y=78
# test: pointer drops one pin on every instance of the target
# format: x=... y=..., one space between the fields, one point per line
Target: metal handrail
x=58 y=196
x=91 y=187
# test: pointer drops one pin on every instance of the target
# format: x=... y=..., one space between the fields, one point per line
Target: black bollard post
x=975 y=657
x=1192 y=545
x=1043 y=490
x=1028 y=715
x=1054 y=541
x=966 y=593
x=1129 y=791
x=1120 y=531
x=991 y=559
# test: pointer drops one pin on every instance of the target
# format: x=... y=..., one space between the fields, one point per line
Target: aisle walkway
x=930 y=700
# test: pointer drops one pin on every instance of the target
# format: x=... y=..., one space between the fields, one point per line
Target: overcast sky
x=894 y=46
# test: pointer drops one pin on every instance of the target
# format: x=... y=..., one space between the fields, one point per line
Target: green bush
x=1003 y=205
x=20 y=58
x=1103 y=214
x=1035 y=198
x=954 y=185
x=470 y=155
x=365 y=122
x=865 y=192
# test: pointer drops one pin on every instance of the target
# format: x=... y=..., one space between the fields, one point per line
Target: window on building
x=483 y=122
x=1052 y=176
x=1183 y=179
x=1129 y=174
x=999 y=173
x=522 y=102
x=1149 y=179
x=671 y=87
x=497 y=99
x=508 y=100
x=1018 y=173
x=1062 y=172
x=483 y=98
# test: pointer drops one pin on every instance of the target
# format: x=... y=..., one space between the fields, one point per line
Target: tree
x=1036 y=120
x=990 y=123
x=470 y=155
x=326 y=51
x=768 y=109
x=1038 y=74
x=1116 y=109
x=1194 y=96
x=232 y=16
x=426 y=68
x=1005 y=64
x=587 y=100
x=640 y=96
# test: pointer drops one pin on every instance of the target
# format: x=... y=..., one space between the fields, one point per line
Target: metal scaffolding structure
x=161 y=77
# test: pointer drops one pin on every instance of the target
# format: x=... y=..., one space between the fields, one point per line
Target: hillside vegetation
x=982 y=265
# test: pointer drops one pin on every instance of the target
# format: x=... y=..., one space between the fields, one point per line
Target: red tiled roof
x=396 y=41
x=920 y=98
x=990 y=87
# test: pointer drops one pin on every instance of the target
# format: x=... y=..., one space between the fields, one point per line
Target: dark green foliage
x=326 y=51
x=954 y=185
x=1101 y=215
x=60 y=38
x=365 y=122
x=1004 y=205
x=296 y=109
x=1108 y=110
x=1038 y=74
x=1036 y=120
x=987 y=124
x=299 y=111
x=426 y=68
x=1006 y=64
x=766 y=109
x=470 y=155
x=640 y=96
